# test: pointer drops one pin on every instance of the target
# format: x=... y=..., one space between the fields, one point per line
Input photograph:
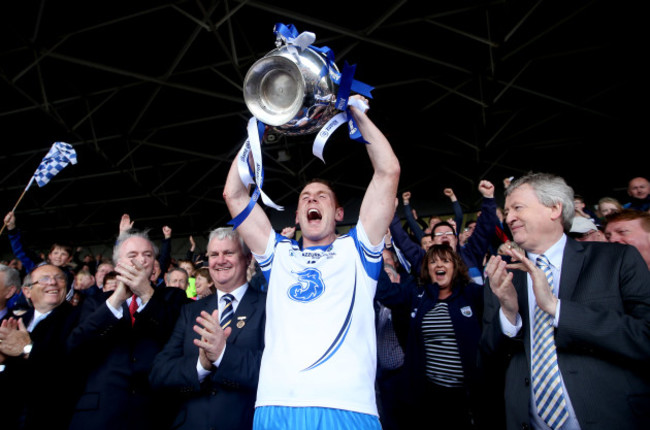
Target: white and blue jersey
x=320 y=343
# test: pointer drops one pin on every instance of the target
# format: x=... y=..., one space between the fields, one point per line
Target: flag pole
x=59 y=156
x=18 y=202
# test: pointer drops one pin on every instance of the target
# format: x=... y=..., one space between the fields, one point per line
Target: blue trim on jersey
x=370 y=260
x=340 y=338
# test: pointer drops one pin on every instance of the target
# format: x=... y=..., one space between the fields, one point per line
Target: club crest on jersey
x=309 y=286
x=466 y=311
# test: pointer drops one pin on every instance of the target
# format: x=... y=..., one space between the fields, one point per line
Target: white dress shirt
x=555 y=255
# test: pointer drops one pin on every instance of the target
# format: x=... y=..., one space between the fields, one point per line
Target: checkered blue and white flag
x=59 y=156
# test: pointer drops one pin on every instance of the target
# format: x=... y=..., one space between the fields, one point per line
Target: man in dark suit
x=37 y=388
x=118 y=336
x=585 y=305
x=214 y=371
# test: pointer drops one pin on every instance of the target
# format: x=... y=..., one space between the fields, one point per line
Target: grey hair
x=550 y=190
x=27 y=280
x=128 y=235
x=12 y=277
x=222 y=233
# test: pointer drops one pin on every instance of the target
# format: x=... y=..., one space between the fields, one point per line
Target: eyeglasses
x=47 y=279
x=444 y=233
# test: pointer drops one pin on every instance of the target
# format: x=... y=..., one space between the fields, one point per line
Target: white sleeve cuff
x=118 y=313
x=506 y=326
x=201 y=372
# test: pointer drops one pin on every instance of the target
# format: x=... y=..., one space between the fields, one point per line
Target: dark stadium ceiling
x=149 y=93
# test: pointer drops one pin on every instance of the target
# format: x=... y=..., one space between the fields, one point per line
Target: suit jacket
x=226 y=398
x=602 y=340
x=39 y=391
x=116 y=358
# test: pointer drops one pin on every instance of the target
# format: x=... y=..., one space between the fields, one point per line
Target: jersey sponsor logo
x=309 y=287
x=313 y=256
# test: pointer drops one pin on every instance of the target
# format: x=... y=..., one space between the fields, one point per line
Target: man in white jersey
x=318 y=366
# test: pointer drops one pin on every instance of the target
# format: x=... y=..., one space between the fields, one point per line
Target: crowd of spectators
x=428 y=371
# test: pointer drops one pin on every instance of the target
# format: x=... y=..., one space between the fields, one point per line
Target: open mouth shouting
x=441 y=272
x=314 y=214
x=440 y=275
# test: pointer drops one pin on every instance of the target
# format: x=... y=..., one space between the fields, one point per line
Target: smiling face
x=227 y=264
x=48 y=289
x=441 y=271
x=318 y=214
x=534 y=227
x=607 y=208
x=630 y=232
x=203 y=285
x=58 y=257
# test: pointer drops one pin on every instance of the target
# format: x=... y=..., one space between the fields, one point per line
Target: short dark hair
x=64 y=246
x=442 y=224
x=328 y=184
x=110 y=275
x=205 y=272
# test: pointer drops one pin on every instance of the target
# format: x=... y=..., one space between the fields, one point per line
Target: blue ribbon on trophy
x=296 y=89
x=345 y=80
x=252 y=148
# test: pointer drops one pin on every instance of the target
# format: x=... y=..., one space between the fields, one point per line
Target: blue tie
x=547 y=385
x=226 y=312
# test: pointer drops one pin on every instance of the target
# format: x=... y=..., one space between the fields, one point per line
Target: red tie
x=133 y=307
x=501 y=234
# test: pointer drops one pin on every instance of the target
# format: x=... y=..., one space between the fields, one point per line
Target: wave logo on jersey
x=309 y=286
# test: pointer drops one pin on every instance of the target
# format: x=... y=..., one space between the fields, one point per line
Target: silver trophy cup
x=290 y=89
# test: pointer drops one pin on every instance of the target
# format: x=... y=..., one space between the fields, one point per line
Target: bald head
x=638 y=188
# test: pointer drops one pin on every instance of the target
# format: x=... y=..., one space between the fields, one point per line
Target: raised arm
x=255 y=229
x=378 y=206
x=410 y=219
x=458 y=211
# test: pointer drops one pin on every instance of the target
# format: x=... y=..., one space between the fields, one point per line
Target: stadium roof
x=149 y=93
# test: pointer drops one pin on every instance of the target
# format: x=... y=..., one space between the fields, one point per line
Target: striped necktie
x=547 y=386
x=227 y=311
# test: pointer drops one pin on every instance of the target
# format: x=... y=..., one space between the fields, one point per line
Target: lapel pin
x=241 y=321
